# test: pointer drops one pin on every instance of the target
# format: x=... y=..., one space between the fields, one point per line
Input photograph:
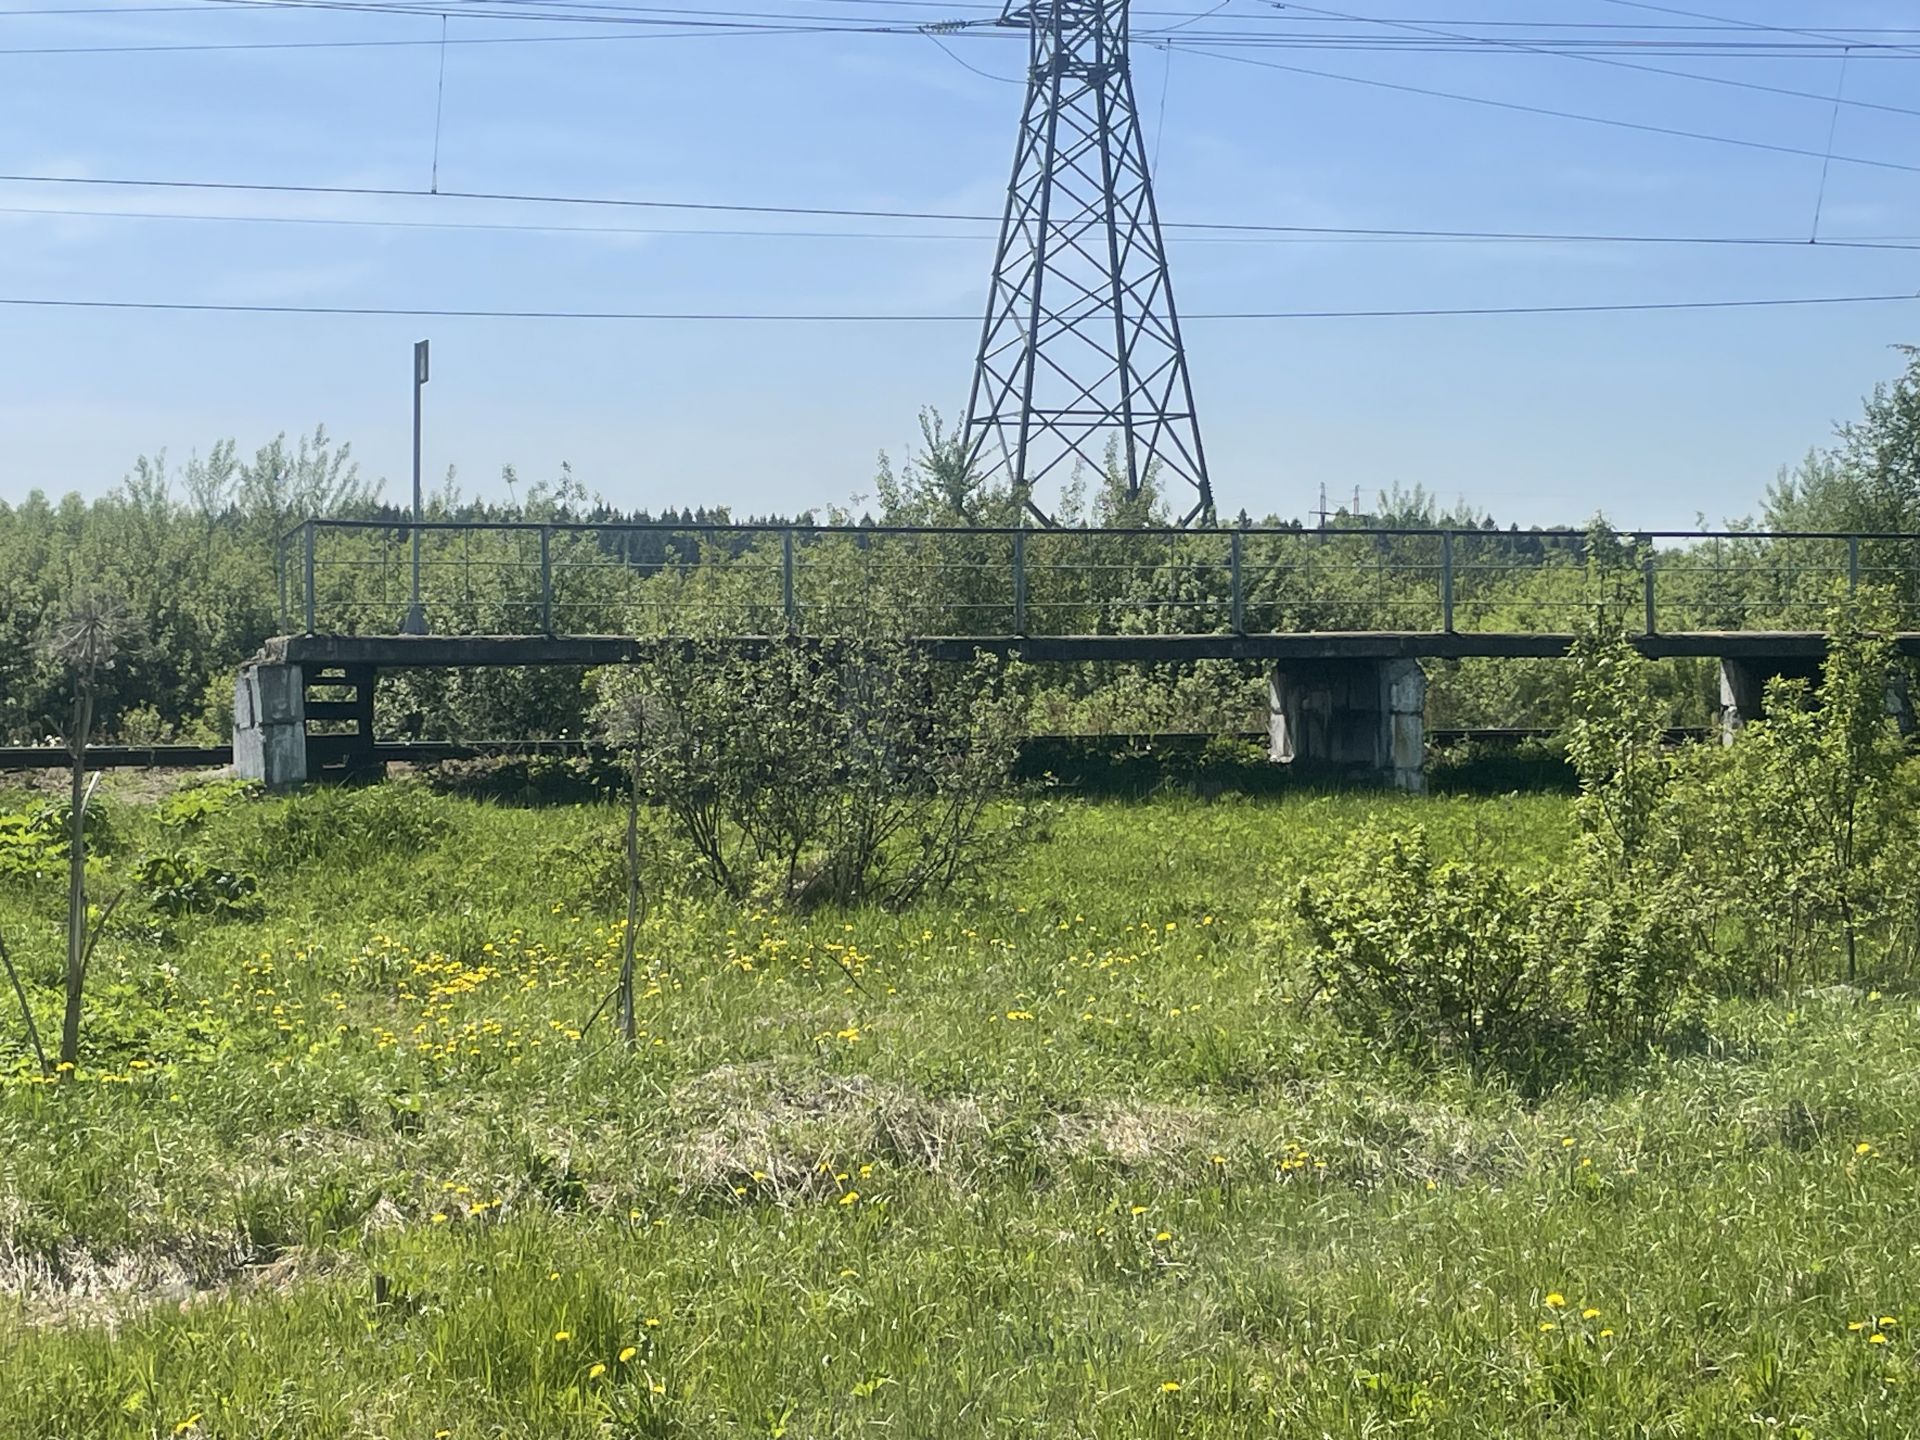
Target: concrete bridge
x=1326 y=613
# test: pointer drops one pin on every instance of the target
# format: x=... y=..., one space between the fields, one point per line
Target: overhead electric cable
x=1614 y=122
x=711 y=32
x=1733 y=24
x=1618 y=64
x=828 y=318
x=934 y=35
x=1236 y=230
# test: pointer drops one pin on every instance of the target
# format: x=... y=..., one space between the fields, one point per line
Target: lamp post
x=416 y=621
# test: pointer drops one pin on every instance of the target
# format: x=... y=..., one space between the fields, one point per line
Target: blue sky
x=1656 y=418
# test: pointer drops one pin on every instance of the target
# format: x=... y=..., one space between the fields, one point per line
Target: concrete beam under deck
x=400 y=652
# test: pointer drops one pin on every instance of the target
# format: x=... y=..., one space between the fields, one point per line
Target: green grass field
x=1078 y=1158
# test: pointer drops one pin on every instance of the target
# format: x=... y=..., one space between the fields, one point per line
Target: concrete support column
x=1900 y=699
x=270 y=725
x=1365 y=716
x=1743 y=688
x=1743 y=685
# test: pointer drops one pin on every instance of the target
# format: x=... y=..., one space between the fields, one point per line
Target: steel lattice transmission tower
x=1081 y=341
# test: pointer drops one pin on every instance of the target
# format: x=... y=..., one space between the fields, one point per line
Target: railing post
x=1646 y=589
x=1239 y=594
x=1853 y=566
x=309 y=576
x=786 y=577
x=546 y=580
x=1019 y=582
x=1446 y=581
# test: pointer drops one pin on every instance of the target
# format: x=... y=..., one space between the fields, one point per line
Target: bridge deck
x=399 y=652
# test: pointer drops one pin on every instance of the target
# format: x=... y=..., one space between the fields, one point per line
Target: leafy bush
x=1802 y=832
x=1437 y=960
x=29 y=850
x=192 y=806
x=33 y=842
x=813 y=775
x=177 y=885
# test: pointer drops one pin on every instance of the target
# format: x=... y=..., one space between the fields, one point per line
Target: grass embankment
x=1075 y=1160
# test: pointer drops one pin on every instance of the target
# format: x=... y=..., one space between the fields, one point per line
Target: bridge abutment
x=1365 y=716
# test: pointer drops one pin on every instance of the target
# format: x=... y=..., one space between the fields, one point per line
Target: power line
x=714 y=31
x=1850 y=34
x=1263 y=235
x=575 y=12
x=1673 y=132
x=816 y=318
x=962 y=62
x=1222 y=229
x=1618 y=64
x=1752 y=24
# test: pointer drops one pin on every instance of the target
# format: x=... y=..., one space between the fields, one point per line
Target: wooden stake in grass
x=627 y=1031
x=87 y=642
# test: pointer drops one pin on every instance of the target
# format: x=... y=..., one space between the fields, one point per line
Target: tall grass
x=1075 y=1158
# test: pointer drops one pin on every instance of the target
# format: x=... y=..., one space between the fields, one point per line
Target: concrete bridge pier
x=1354 y=716
x=270 y=725
x=1743 y=688
x=272 y=713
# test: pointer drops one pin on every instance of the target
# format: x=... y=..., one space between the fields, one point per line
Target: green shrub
x=1437 y=960
x=192 y=806
x=808 y=775
x=178 y=884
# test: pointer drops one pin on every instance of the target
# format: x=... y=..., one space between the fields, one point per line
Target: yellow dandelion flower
x=1590 y=1313
x=1556 y=1300
x=850 y=1198
x=1856 y=1325
x=1546 y=1325
x=439 y=1217
x=188 y=1423
x=1163 y=1237
x=1566 y=1142
x=653 y=1322
x=596 y=1370
x=628 y=1353
x=560 y=1337
x=1863 y=1148
x=658 y=1387
x=1169 y=1387
x=1889 y=1319
x=1606 y=1334
x=1876 y=1338
x=1138 y=1210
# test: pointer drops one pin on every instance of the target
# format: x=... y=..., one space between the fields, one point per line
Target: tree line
x=190 y=556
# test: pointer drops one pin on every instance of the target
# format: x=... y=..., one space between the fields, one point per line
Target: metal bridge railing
x=529 y=578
